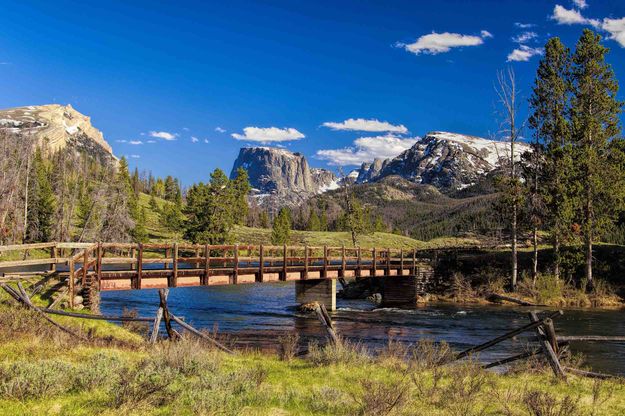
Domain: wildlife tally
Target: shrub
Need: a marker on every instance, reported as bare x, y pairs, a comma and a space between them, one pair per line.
24, 380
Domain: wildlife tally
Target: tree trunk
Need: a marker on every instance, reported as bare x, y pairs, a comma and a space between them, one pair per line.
556, 255
535, 257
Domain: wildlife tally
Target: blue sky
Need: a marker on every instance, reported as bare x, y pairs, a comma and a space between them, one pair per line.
207, 70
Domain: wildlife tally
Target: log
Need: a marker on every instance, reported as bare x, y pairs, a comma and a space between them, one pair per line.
590, 374
27, 302
591, 338
156, 326
324, 318
163, 293
505, 336
550, 354
199, 334
513, 358
96, 317
495, 296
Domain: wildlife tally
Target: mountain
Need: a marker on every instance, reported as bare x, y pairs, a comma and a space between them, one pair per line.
284, 176
56, 127
445, 160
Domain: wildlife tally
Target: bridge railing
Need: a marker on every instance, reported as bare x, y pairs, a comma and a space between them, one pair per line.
88, 264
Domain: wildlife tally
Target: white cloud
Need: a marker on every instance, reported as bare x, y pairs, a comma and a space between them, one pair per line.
185, 128
616, 29
580, 3
135, 156
371, 125
120, 141
151, 141
366, 149
268, 134
523, 53
525, 37
135, 142
206, 141
194, 139
163, 135
435, 43
565, 16
524, 25
220, 129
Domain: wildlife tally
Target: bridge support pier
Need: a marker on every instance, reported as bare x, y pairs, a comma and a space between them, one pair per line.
401, 290
316, 290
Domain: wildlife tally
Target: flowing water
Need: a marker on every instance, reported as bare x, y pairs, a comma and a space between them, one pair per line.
255, 315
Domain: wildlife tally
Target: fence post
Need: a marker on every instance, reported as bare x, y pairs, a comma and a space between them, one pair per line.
343, 263
85, 264
99, 265
71, 283
325, 261
261, 263
306, 260
414, 261
235, 269
387, 272
359, 265
284, 269
401, 262
374, 268
174, 282
207, 262
139, 265
53, 255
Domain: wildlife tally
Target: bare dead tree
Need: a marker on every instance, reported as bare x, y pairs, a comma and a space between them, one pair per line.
507, 96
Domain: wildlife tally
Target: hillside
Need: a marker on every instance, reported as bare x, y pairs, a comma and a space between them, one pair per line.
422, 211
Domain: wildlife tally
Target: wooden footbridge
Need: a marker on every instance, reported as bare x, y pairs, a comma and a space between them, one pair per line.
91, 267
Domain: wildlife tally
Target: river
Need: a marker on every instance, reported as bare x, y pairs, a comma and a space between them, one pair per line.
255, 315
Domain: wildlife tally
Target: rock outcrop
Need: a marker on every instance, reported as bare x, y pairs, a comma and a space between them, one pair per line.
444, 160
56, 127
282, 174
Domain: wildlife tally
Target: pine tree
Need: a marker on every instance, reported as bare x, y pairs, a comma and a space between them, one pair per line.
241, 188
595, 120
264, 219
140, 233
281, 227
550, 106
153, 204
42, 205
314, 224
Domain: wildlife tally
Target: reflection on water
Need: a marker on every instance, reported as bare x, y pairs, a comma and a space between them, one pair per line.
256, 314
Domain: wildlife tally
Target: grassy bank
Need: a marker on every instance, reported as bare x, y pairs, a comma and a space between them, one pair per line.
44, 371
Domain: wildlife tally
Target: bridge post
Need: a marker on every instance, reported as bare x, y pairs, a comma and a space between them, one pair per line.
406, 290
316, 290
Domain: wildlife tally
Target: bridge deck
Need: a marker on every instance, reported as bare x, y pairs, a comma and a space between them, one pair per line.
118, 266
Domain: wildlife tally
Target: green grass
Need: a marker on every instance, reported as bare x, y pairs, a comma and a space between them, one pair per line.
156, 231
43, 371
337, 239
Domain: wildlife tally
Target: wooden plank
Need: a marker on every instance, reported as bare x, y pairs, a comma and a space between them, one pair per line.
139, 266
31, 262
387, 272
306, 261
235, 271
401, 262
174, 280
70, 283
283, 276
163, 293
21, 247
261, 264
343, 262
324, 272
359, 263
85, 268
156, 325
548, 351
99, 264
414, 261
207, 255
374, 269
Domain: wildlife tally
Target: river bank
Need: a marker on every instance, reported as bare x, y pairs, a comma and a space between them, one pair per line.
44, 371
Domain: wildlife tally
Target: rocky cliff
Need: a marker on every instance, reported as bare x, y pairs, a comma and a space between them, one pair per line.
445, 160
56, 127
280, 173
